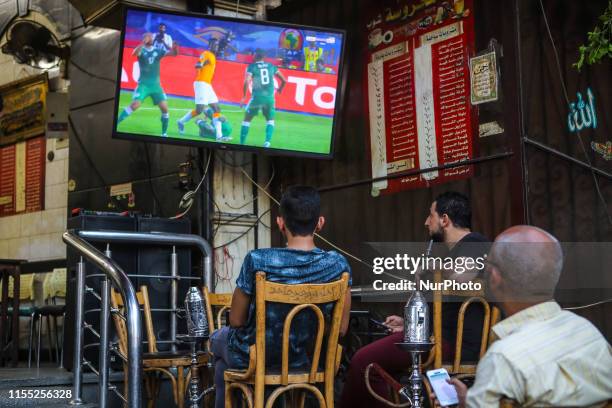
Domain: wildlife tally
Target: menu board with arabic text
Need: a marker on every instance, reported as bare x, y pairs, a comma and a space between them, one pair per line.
418, 93
22, 177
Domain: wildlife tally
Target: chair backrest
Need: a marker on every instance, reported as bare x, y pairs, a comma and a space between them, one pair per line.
490, 318
57, 283
143, 299
220, 301
54, 284
26, 286
304, 296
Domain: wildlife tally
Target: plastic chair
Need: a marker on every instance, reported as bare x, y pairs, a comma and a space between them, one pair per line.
26, 293
54, 287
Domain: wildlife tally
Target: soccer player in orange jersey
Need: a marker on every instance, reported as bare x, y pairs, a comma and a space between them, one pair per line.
203, 90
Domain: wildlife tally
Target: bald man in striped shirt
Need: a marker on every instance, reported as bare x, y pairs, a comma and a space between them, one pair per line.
543, 356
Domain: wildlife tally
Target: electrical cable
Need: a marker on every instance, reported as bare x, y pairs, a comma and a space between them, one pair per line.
255, 198
567, 101
88, 105
231, 220
216, 228
601, 302
195, 157
225, 265
83, 70
189, 197
245, 232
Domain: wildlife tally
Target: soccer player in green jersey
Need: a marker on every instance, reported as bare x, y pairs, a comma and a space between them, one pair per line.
260, 74
149, 59
207, 128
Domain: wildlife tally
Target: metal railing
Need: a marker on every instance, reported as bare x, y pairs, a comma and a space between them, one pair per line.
159, 238
122, 282
162, 238
135, 238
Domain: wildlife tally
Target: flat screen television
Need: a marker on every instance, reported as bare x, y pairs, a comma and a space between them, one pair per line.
228, 83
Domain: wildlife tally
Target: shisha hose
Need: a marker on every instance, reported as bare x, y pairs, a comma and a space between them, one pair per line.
397, 387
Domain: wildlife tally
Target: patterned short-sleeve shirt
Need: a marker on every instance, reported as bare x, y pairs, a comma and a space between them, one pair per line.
289, 266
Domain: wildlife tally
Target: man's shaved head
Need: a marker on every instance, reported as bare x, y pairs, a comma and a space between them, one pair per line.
147, 39
529, 260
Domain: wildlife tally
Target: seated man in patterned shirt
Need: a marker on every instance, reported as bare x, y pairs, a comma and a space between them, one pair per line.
300, 262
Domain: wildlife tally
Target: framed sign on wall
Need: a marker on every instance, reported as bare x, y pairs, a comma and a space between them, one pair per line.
23, 116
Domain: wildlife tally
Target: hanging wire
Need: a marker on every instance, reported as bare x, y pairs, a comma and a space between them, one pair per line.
189, 198
245, 232
601, 302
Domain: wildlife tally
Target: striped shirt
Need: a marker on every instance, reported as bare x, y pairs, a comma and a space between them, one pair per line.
545, 356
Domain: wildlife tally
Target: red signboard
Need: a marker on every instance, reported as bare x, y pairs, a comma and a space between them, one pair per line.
418, 92
308, 92
7, 180
35, 174
22, 177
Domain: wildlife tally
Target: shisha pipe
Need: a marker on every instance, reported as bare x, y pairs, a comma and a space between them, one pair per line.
416, 337
402, 390
417, 278
416, 341
416, 313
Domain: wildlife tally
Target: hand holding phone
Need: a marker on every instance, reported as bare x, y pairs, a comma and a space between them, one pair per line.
446, 393
380, 325
394, 323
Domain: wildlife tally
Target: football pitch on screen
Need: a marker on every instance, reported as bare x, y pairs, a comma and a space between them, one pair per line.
293, 131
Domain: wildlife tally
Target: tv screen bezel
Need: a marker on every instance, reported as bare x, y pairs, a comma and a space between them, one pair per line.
340, 88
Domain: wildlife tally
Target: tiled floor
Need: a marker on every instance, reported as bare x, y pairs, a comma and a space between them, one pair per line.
28, 377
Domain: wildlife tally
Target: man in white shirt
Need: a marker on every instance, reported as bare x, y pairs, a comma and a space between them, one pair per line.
162, 39
543, 355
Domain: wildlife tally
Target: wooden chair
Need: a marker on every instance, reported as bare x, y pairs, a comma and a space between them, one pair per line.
457, 367
154, 360
490, 318
304, 296
222, 301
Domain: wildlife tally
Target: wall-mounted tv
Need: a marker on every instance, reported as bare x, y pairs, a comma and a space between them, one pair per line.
228, 83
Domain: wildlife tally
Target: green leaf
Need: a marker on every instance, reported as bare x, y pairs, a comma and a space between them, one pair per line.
599, 44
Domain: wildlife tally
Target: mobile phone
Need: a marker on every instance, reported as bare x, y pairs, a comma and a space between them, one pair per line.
380, 325
445, 392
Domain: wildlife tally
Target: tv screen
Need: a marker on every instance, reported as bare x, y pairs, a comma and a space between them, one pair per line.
228, 83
